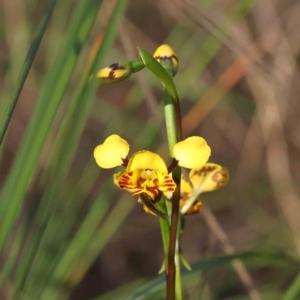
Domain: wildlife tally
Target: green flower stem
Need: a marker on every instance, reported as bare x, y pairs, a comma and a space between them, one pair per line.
172, 110
136, 65
170, 118
174, 132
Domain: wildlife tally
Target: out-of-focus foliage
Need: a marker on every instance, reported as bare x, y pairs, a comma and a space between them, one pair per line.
76, 236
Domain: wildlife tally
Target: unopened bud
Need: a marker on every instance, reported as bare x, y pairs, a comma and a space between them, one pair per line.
166, 56
115, 72
118, 71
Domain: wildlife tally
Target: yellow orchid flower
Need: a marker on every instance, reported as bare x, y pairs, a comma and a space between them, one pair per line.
146, 172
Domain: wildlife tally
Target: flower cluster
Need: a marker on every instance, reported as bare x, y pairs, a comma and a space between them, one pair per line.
146, 172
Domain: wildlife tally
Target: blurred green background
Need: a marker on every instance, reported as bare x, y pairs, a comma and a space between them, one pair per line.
67, 231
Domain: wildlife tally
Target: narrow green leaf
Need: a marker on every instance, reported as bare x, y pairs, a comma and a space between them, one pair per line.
65, 147
293, 293
26, 67
86, 247
159, 283
155, 67
184, 261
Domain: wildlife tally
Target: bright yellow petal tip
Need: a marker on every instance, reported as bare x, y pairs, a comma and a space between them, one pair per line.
165, 52
145, 160
192, 153
112, 152
209, 178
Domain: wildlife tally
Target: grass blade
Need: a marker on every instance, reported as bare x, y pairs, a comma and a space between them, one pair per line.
55, 85
159, 283
26, 67
293, 293
70, 132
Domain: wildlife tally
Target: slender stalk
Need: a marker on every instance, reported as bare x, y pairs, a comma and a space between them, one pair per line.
174, 133
171, 121
164, 72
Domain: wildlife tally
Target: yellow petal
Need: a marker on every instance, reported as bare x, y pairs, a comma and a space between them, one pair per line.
192, 153
104, 73
165, 52
166, 183
112, 152
209, 178
129, 180
186, 188
147, 160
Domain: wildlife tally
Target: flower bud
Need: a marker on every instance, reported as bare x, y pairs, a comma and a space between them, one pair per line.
166, 56
115, 72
